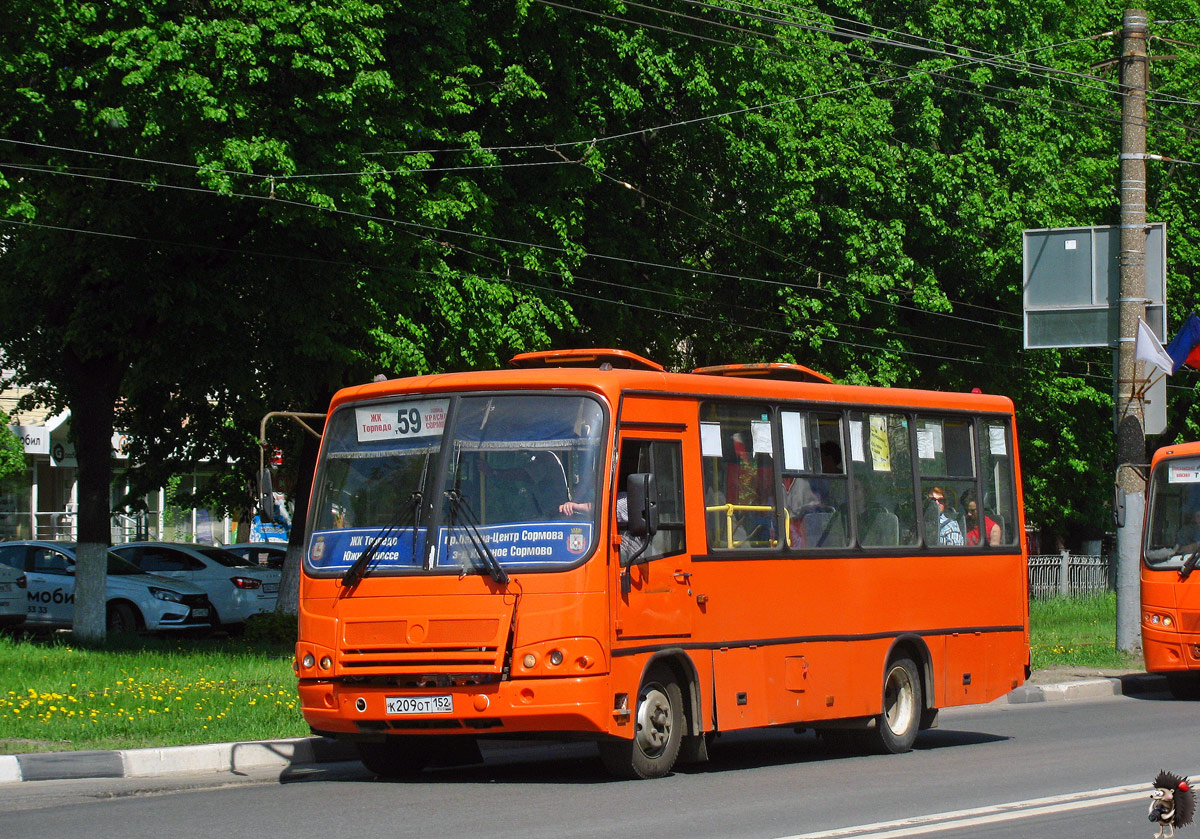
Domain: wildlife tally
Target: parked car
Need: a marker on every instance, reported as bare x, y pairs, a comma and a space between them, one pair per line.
135, 600
12, 597
237, 588
270, 554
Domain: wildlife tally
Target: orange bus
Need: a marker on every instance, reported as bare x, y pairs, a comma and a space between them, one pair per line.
588, 546
1170, 553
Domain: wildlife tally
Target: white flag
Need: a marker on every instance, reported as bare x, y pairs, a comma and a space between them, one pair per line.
1150, 350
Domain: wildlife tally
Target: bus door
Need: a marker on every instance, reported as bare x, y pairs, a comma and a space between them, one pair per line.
654, 596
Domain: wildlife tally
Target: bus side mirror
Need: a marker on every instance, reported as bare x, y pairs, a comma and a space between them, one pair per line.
642, 501
1119, 507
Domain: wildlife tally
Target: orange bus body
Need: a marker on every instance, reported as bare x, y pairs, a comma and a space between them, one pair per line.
1170, 595
741, 628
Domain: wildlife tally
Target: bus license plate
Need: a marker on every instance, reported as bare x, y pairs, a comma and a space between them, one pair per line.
420, 705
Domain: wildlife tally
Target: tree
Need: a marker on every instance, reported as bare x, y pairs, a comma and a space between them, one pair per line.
190, 254
12, 452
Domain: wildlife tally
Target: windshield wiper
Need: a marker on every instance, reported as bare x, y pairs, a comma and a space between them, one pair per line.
470, 523
358, 570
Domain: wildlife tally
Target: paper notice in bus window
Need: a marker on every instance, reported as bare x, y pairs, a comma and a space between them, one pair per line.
856, 446
761, 434
710, 439
794, 441
881, 447
925, 449
401, 420
1186, 472
929, 439
996, 440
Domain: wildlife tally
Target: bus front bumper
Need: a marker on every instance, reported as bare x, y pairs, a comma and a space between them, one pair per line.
583, 705
1167, 651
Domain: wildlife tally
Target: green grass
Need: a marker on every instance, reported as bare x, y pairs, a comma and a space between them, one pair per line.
139, 692
166, 691
1077, 632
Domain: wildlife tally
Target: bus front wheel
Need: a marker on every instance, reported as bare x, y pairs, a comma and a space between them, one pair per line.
657, 734
1184, 685
395, 757
897, 724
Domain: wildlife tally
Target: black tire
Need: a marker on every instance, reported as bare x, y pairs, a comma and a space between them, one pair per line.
897, 724
658, 731
122, 619
395, 757
1184, 685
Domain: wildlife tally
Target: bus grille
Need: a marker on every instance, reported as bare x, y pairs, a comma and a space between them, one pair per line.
433, 646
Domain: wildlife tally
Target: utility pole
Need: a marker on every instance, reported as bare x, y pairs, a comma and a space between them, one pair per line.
1131, 436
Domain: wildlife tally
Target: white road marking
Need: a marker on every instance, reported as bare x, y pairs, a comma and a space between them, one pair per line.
1013, 810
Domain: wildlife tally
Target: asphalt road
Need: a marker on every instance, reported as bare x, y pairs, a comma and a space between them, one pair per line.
1063, 769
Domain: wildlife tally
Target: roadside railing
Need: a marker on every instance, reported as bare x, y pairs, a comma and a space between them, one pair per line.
1066, 575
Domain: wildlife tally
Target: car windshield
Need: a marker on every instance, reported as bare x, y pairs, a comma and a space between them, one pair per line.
227, 558
1173, 531
459, 474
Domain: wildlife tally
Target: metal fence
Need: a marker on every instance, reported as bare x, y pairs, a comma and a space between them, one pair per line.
1066, 574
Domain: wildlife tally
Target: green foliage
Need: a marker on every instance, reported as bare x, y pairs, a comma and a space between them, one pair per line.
1077, 632
243, 210
56, 695
271, 629
12, 450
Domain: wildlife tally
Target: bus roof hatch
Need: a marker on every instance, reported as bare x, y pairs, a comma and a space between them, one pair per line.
585, 358
774, 370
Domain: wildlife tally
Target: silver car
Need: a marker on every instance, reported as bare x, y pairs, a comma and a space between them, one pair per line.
237, 588
12, 596
134, 600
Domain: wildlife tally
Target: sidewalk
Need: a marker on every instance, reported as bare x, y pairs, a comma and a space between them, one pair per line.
1060, 684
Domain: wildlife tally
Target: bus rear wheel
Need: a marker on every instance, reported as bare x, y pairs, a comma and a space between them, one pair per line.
657, 734
897, 724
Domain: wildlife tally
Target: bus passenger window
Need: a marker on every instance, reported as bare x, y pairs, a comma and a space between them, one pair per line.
999, 479
881, 460
739, 476
814, 485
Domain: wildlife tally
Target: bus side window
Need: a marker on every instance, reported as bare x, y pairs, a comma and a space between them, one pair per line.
736, 445
664, 459
881, 460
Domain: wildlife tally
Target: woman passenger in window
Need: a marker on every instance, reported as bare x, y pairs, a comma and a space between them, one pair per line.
989, 525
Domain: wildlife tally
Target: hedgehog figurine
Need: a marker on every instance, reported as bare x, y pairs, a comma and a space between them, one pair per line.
1172, 804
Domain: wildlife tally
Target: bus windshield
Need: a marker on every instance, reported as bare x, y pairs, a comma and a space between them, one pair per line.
1173, 531
435, 483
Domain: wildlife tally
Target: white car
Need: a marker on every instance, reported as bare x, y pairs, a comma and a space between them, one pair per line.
134, 600
237, 588
270, 554
12, 596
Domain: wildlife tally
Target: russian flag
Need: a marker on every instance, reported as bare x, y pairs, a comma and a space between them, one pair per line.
1185, 346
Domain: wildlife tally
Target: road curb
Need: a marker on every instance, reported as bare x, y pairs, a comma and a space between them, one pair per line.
149, 763
1128, 685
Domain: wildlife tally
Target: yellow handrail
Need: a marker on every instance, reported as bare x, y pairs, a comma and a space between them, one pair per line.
730, 509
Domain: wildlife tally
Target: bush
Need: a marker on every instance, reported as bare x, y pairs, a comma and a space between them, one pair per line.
271, 629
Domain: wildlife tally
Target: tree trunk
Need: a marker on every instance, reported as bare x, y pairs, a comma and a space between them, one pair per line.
91, 396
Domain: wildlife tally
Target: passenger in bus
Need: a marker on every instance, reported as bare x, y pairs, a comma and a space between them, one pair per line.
948, 531
811, 496
989, 524
631, 546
